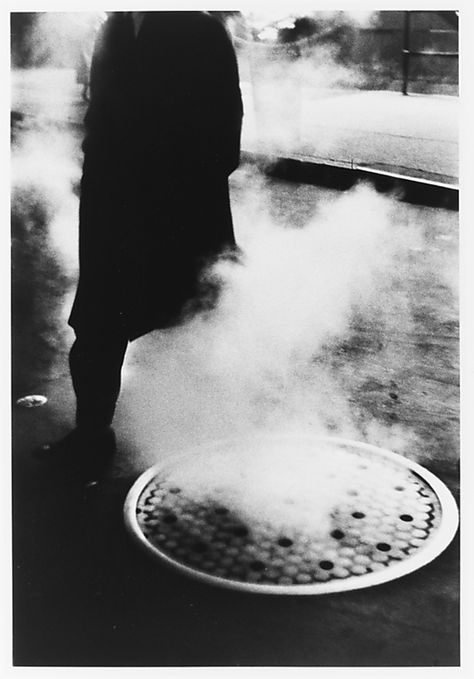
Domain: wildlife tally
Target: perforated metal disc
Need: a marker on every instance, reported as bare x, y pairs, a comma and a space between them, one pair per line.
388, 517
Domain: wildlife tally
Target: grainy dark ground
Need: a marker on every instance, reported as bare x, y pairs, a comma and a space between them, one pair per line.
85, 596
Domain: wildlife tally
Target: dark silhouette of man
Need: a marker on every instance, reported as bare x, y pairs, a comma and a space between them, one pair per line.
162, 136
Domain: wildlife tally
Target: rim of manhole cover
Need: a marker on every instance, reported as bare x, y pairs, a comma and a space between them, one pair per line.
386, 517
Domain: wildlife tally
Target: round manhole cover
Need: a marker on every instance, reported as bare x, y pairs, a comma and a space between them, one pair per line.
304, 515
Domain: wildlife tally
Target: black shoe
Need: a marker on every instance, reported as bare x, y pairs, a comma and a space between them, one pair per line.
86, 453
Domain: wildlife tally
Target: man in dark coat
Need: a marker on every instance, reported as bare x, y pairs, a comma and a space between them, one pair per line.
162, 136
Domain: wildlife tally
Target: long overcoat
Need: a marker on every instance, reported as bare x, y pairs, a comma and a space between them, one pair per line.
162, 136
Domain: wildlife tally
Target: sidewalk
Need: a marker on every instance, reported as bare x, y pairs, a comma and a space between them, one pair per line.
414, 136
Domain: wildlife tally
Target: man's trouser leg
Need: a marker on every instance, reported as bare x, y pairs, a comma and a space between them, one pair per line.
95, 362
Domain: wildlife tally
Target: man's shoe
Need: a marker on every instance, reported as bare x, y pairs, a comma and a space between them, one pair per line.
87, 453
62, 451
98, 455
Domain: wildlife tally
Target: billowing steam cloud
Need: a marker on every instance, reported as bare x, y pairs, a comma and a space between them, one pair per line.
288, 62
269, 479
61, 39
261, 361
45, 172
264, 361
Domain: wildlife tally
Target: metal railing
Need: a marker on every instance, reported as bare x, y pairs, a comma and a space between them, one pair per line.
407, 53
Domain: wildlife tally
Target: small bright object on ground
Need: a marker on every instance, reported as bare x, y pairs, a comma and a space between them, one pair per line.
31, 401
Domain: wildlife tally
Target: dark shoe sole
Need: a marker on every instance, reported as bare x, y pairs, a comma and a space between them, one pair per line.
88, 456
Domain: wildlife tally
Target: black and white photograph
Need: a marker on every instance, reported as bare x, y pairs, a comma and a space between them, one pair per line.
235, 337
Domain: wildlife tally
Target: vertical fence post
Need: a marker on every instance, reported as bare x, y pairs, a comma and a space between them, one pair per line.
406, 52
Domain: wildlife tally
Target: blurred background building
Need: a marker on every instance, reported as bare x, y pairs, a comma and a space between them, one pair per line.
370, 42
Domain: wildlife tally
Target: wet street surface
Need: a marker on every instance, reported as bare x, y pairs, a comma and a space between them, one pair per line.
84, 595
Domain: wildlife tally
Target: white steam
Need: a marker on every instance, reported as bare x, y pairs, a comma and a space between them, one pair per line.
63, 39
44, 172
261, 361
281, 95
298, 287
285, 483
282, 81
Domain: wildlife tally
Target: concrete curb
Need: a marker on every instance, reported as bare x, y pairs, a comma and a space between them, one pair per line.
409, 189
